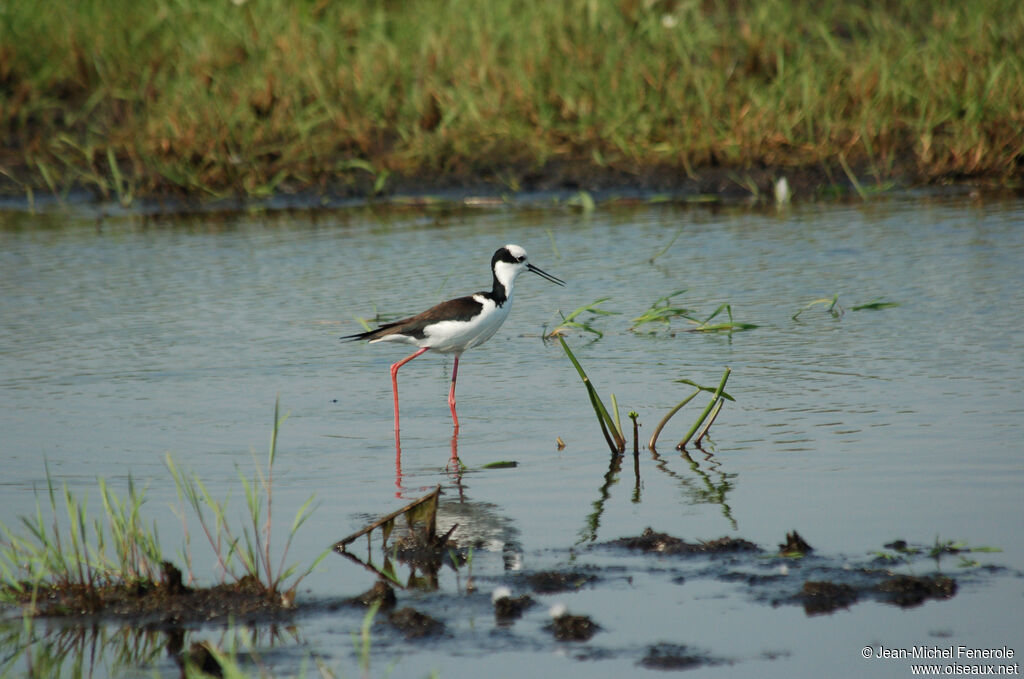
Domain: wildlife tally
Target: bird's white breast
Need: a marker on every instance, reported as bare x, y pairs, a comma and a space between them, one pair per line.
457, 336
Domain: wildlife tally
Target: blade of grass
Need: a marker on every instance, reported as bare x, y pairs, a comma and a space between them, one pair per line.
874, 305
607, 424
714, 399
833, 306
710, 421
664, 420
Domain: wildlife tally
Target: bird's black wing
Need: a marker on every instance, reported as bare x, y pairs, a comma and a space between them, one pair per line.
458, 309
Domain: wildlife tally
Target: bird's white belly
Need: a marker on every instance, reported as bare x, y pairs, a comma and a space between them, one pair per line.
456, 336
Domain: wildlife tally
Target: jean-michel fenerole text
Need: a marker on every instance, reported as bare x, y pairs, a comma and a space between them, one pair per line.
951, 652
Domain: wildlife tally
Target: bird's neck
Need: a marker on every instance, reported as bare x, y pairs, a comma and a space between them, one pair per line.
501, 292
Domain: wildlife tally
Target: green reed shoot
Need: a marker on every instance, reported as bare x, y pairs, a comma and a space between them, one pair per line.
610, 428
874, 305
834, 308
662, 311
668, 245
570, 321
710, 420
582, 201
715, 399
719, 394
252, 547
731, 326
115, 547
633, 415
362, 642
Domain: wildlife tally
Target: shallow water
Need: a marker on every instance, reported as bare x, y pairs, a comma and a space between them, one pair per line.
124, 339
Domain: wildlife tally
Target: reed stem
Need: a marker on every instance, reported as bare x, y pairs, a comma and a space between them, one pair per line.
707, 410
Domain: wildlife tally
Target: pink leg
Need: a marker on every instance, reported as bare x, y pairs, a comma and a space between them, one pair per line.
454, 466
451, 393
394, 381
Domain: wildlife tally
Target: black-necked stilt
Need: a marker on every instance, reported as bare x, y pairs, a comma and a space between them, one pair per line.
456, 325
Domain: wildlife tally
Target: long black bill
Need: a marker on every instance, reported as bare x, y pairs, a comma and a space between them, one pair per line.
545, 275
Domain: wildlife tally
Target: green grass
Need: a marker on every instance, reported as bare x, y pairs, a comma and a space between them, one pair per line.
63, 546
257, 97
246, 551
610, 422
570, 322
836, 310
727, 327
661, 311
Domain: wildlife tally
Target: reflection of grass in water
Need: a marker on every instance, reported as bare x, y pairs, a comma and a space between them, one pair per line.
117, 552
94, 649
79, 651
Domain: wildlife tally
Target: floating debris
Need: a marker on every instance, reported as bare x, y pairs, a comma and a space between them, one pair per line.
381, 594
501, 464
794, 545
421, 512
419, 546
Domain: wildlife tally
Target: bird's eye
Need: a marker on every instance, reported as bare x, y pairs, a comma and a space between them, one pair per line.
520, 259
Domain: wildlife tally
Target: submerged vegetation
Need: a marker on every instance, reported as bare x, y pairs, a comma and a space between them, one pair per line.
658, 316
836, 310
569, 321
253, 98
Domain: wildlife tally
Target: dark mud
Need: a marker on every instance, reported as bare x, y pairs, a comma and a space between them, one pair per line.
552, 582
791, 575
662, 543
508, 608
161, 604
820, 584
556, 181
415, 624
568, 627
666, 656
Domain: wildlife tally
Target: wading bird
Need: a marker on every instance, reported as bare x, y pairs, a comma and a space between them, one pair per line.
459, 324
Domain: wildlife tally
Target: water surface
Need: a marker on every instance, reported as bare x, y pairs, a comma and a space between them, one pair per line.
124, 339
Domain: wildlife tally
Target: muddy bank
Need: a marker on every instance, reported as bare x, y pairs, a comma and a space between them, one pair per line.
557, 184
539, 607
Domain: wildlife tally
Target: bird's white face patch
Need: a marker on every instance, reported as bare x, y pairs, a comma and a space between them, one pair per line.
507, 272
516, 251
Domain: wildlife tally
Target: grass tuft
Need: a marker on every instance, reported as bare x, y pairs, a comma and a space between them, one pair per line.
570, 322
662, 311
118, 551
